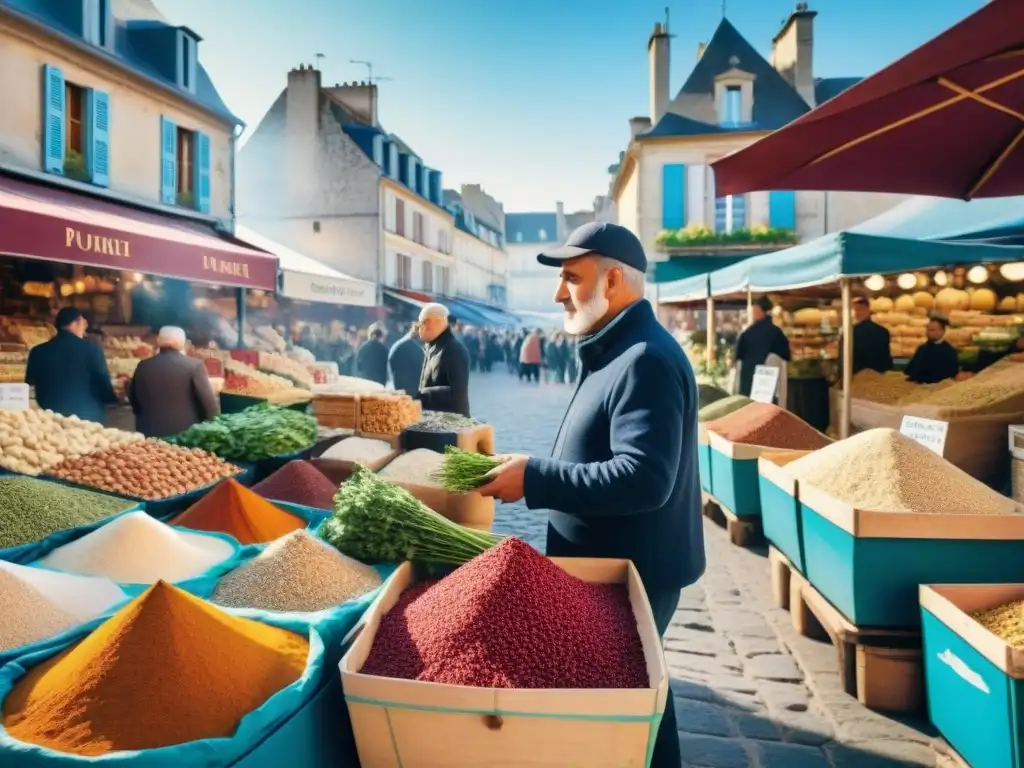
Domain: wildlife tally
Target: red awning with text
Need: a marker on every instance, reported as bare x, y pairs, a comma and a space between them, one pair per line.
38, 221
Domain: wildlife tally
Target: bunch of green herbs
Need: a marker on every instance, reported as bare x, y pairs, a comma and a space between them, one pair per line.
259, 432
464, 471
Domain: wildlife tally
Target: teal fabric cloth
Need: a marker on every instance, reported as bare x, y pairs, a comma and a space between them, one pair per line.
27, 553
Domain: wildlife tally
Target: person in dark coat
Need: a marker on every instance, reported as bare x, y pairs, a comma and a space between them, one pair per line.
444, 382
870, 340
171, 391
622, 478
759, 340
70, 374
935, 360
405, 361
372, 357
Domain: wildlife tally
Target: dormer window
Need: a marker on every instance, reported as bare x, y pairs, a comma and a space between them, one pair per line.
98, 23
731, 106
188, 64
378, 150
734, 98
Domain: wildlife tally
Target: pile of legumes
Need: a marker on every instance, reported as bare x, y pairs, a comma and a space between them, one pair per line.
298, 572
167, 668
769, 426
363, 450
37, 604
707, 395
881, 470
298, 482
30, 509
151, 470
138, 549
416, 467
238, 511
723, 407
510, 618
441, 421
1005, 622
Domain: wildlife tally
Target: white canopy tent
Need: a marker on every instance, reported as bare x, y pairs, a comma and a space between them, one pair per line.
307, 279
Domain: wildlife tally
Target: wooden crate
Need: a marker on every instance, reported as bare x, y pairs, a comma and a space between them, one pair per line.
337, 411
339, 470
881, 667
743, 531
411, 724
780, 566
469, 509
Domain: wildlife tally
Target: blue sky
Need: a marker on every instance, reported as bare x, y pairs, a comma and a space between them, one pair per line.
530, 98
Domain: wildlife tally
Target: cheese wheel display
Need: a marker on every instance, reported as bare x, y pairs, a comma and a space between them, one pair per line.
983, 300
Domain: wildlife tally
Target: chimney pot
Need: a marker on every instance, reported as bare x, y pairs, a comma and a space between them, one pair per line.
659, 57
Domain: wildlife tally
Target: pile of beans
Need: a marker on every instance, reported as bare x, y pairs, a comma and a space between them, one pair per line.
510, 618
298, 482
769, 426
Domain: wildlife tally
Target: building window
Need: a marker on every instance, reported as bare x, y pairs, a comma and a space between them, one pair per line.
442, 241
428, 277
400, 217
730, 110
730, 213
442, 281
403, 271
186, 154
542, 235
519, 237
417, 227
74, 130
187, 62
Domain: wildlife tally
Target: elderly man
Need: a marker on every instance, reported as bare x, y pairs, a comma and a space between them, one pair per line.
621, 481
171, 391
444, 382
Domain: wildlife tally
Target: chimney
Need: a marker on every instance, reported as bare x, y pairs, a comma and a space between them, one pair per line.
793, 51
658, 55
638, 125
562, 227
358, 98
302, 127
700, 49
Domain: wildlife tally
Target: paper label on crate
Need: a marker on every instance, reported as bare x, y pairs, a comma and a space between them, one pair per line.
14, 397
966, 673
766, 381
928, 432
1017, 440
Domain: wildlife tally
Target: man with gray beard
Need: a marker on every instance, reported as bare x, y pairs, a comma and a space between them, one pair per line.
622, 480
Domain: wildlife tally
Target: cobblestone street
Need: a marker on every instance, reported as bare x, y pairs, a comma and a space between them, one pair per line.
748, 690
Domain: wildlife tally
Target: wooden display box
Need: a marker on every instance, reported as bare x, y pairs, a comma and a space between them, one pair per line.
869, 564
734, 474
469, 509
974, 679
339, 470
479, 439
780, 510
411, 724
337, 411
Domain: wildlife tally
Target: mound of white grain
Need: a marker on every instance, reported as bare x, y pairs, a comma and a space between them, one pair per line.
137, 549
416, 467
298, 572
362, 450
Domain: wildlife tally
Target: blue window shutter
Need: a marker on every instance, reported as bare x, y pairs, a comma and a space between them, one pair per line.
168, 161
673, 196
782, 209
97, 155
53, 120
202, 184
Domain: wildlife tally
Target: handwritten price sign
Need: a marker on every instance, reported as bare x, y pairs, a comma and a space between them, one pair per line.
13, 397
928, 432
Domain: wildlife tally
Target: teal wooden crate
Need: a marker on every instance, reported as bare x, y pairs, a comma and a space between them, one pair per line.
704, 467
734, 475
869, 564
780, 510
974, 681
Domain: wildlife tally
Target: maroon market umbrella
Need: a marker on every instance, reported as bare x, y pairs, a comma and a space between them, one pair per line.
945, 120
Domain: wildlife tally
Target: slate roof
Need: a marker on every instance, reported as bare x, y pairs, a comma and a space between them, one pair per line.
453, 202
127, 51
826, 88
527, 227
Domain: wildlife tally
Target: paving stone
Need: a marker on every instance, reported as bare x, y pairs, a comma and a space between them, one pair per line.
777, 667
712, 752
734, 683
784, 696
701, 718
701, 664
698, 639
748, 647
790, 756
880, 754
737, 621
803, 728
760, 727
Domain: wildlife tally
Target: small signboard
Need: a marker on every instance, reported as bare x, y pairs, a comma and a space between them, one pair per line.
928, 432
1017, 440
766, 383
14, 397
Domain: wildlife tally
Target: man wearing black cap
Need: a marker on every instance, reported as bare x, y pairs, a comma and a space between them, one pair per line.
759, 340
70, 374
621, 481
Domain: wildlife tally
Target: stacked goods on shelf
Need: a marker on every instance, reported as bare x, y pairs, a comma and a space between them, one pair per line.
286, 368
437, 430
12, 366
243, 379
34, 441
580, 629
737, 440
23, 331
126, 346
323, 373
235, 510
259, 432
387, 413
813, 334
445, 483
32, 510
151, 470
275, 340
108, 694
337, 404
882, 498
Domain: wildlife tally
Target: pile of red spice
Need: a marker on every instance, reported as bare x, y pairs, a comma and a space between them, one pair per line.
769, 426
510, 618
298, 482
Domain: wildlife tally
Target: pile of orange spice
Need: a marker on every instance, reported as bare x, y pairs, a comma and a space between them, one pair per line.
166, 669
233, 509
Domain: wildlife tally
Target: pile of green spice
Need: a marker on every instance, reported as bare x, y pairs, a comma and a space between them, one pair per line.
463, 471
439, 421
722, 408
31, 509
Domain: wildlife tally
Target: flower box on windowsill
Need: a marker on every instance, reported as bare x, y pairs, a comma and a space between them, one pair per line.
186, 200
702, 238
74, 166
